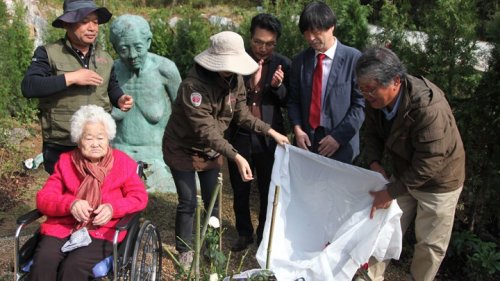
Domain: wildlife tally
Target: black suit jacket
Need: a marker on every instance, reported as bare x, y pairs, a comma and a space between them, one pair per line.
273, 99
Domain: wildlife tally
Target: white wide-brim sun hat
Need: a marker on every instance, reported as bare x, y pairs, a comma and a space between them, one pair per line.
227, 53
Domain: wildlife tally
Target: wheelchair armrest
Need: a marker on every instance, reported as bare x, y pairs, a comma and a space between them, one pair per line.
127, 221
141, 166
29, 217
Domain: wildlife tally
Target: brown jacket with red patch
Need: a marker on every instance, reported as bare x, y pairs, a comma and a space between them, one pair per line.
205, 105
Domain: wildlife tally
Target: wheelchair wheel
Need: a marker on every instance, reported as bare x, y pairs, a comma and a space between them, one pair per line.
146, 260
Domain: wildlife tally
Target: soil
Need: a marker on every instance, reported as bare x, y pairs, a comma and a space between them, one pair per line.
17, 193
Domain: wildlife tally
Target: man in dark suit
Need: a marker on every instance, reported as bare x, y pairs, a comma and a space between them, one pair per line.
325, 105
266, 94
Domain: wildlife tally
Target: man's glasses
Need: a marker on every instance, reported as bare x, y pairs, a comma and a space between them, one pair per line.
260, 44
370, 93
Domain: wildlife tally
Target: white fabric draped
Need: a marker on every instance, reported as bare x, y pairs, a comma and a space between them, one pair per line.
325, 201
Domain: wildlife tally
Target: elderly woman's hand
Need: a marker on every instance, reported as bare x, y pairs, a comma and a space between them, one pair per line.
81, 210
104, 213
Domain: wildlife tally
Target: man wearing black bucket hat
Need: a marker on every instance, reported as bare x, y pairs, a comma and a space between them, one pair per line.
69, 73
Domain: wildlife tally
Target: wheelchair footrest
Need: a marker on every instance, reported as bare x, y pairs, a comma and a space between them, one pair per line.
26, 267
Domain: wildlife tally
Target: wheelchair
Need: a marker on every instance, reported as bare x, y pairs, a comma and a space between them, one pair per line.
137, 258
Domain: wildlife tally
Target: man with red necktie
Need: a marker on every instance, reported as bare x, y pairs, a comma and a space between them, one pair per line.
325, 106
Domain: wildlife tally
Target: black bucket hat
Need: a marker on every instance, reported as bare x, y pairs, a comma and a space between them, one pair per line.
76, 10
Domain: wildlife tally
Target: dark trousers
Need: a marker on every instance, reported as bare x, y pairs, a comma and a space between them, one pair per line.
262, 164
185, 184
51, 153
50, 264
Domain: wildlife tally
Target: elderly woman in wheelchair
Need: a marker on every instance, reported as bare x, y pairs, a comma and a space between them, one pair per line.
91, 188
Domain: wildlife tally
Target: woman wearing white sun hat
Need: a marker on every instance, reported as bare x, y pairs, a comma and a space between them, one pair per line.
211, 97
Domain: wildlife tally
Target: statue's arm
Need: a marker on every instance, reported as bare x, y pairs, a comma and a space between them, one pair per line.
172, 79
117, 114
151, 108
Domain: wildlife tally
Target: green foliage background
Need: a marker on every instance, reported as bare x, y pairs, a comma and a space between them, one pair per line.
449, 30
16, 49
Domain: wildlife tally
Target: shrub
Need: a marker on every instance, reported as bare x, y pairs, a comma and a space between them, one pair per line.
182, 43
163, 34
472, 257
448, 58
352, 25
352, 22
479, 123
291, 41
16, 56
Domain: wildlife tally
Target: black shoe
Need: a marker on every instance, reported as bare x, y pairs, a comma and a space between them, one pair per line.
241, 243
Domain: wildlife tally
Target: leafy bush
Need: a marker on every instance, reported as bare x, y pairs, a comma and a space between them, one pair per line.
16, 56
194, 3
352, 22
448, 59
352, 25
163, 34
472, 257
291, 41
479, 122
182, 43
395, 23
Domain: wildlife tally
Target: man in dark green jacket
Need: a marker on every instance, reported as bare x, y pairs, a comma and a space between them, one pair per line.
69, 73
409, 118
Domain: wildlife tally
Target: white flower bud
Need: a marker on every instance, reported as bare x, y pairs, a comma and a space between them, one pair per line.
213, 222
214, 276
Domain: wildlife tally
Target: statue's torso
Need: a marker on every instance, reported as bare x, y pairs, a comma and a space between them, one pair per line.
143, 125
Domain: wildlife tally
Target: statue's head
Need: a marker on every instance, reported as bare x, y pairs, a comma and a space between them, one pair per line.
131, 39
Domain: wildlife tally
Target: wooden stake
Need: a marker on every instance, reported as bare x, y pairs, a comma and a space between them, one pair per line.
197, 240
271, 231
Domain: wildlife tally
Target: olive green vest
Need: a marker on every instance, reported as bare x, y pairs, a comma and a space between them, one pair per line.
57, 109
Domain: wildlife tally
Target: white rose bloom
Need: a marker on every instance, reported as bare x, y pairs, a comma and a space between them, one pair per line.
213, 222
214, 276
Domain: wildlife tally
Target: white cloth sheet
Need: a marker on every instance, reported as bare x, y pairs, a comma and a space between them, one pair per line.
324, 201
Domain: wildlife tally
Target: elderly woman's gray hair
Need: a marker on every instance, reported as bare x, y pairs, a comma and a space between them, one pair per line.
93, 114
379, 64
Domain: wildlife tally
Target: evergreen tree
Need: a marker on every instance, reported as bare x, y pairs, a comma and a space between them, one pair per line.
352, 22
397, 32
16, 49
448, 58
480, 124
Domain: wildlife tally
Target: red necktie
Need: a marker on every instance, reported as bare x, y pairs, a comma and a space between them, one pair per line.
315, 109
